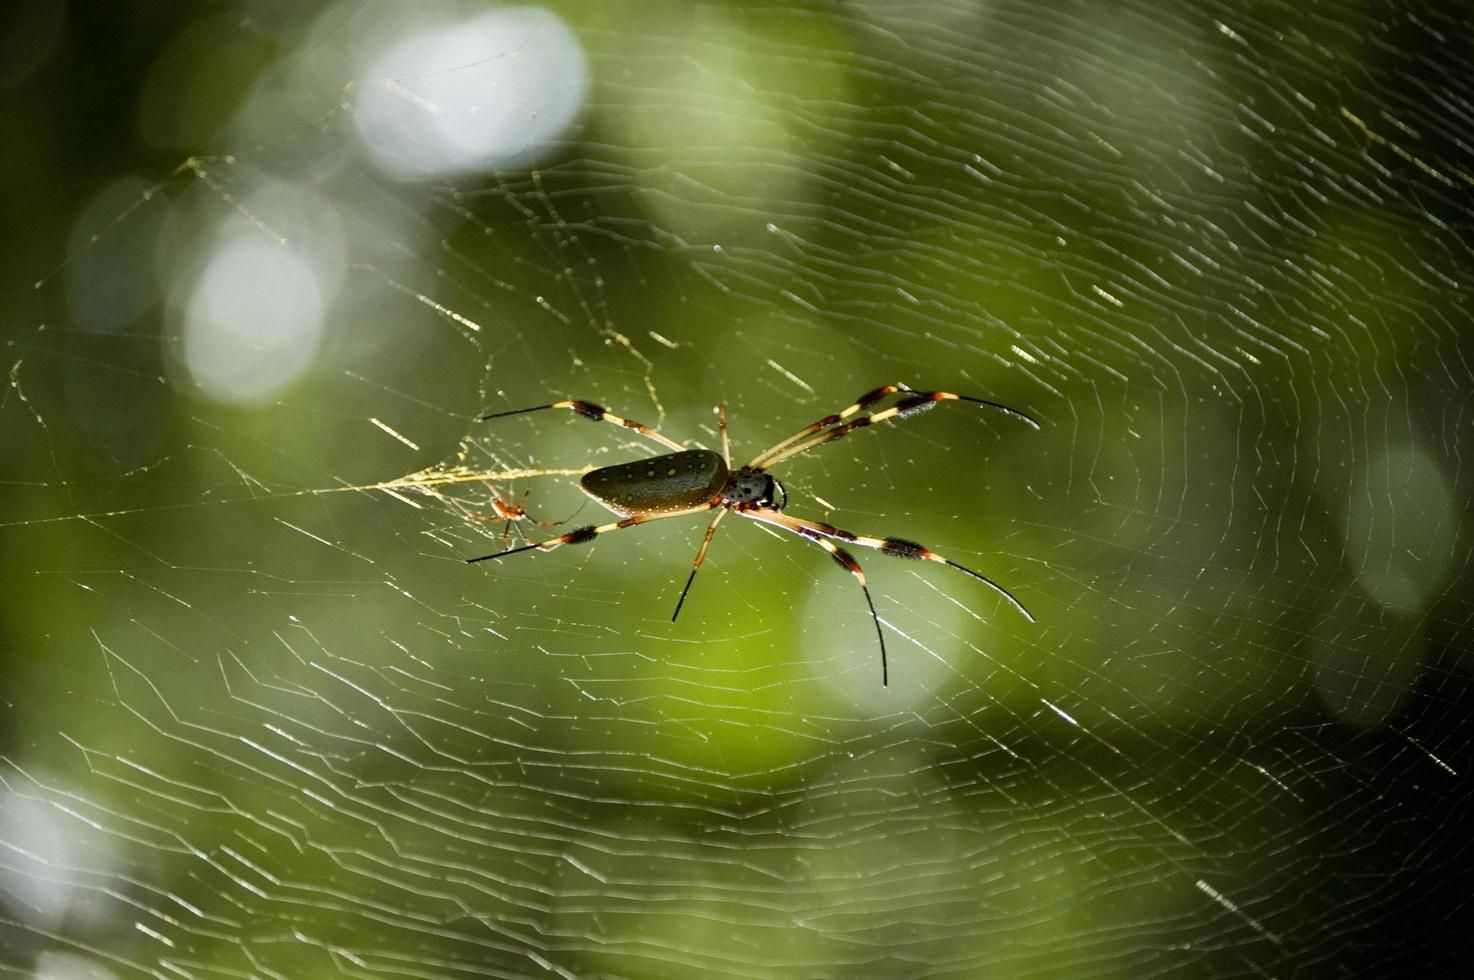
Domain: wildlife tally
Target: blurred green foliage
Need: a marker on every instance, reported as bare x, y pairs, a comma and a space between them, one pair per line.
283, 730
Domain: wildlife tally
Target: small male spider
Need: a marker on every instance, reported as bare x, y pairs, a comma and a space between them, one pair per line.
512, 515
693, 481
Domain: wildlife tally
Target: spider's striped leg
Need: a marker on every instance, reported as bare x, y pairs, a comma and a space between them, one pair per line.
726, 443
846, 561
897, 547
914, 403
864, 401
594, 413
700, 557
589, 532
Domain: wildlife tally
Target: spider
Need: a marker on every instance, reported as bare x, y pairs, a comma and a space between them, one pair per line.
695, 481
512, 515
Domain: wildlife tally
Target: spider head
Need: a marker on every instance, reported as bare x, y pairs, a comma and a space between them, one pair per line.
754, 488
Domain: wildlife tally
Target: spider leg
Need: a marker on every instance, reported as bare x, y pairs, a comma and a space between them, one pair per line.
914, 403
700, 557
726, 444
594, 413
497, 518
865, 400
845, 559
896, 547
522, 514
589, 532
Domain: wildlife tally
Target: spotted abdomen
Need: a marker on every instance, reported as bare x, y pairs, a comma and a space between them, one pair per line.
657, 485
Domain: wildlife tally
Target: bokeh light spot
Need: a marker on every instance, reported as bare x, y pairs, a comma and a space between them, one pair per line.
110, 283
473, 95
254, 320
1399, 525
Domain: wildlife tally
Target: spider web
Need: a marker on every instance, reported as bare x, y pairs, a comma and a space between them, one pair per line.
263, 720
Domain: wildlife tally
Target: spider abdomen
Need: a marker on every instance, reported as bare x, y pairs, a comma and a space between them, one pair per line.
675, 481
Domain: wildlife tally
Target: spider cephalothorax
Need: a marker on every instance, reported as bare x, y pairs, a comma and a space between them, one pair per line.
693, 481
749, 489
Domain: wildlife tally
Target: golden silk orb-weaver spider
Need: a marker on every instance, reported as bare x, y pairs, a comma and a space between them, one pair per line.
694, 481
512, 514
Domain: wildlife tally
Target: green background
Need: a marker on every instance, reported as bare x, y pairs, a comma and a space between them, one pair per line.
262, 720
